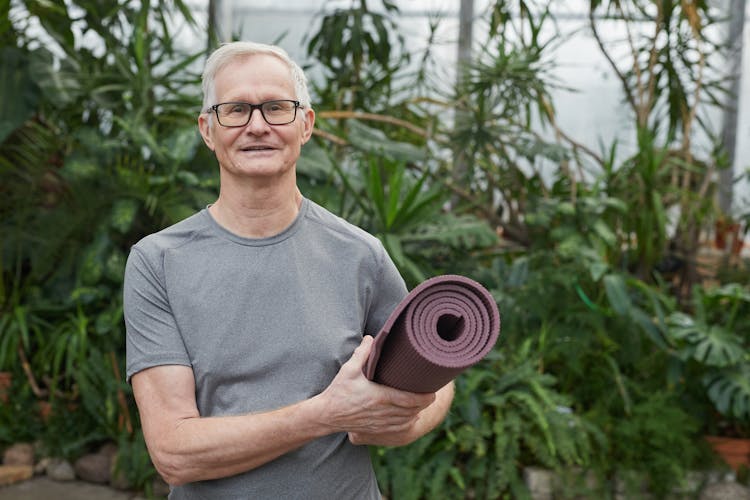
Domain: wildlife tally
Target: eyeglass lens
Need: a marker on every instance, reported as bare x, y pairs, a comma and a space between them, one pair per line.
237, 114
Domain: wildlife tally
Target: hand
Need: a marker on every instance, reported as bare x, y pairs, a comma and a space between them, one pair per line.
353, 404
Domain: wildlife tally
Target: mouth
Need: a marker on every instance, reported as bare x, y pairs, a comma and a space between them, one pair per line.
260, 147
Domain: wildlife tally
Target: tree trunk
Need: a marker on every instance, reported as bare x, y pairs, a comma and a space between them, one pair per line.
465, 40
736, 15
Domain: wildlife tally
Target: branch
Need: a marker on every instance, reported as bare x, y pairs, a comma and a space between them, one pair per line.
38, 392
330, 137
653, 57
374, 117
694, 110
628, 94
124, 417
640, 111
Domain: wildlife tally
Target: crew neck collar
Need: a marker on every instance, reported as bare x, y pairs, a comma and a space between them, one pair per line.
270, 240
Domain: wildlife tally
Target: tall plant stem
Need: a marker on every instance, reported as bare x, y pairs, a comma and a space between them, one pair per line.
38, 391
124, 417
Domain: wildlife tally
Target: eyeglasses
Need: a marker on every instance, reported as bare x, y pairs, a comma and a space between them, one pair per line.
238, 114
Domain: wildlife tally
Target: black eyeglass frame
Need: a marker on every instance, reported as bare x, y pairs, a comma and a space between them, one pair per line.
253, 107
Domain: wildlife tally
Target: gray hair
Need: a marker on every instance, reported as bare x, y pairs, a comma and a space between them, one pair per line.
229, 52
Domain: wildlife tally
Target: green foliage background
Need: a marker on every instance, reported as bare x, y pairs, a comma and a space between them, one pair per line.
615, 356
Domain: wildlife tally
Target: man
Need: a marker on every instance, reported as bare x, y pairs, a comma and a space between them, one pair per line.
249, 323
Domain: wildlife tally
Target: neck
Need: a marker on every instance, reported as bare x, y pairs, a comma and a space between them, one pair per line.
260, 210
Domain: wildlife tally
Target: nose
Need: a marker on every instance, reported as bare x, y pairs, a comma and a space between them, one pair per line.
256, 124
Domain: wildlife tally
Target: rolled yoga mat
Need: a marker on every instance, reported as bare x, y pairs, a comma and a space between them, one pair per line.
441, 328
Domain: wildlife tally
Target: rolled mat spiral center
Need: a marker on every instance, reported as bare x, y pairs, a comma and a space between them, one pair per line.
441, 328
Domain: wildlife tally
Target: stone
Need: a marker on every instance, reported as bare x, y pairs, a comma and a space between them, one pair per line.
19, 454
630, 484
108, 449
579, 483
60, 470
725, 491
94, 468
41, 467
119, 481
10, 474
117, 478
540, 482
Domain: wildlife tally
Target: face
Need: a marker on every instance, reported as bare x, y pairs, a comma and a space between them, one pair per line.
257, 149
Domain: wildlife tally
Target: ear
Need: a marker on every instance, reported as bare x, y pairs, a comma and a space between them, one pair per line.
308, 123
205, 130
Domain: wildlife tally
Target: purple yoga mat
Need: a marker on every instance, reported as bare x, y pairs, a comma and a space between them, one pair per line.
441, 328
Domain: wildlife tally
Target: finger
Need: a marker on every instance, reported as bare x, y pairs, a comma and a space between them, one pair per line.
406, 399
362, 352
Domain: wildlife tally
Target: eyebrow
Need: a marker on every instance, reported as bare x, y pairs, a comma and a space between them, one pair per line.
264, 98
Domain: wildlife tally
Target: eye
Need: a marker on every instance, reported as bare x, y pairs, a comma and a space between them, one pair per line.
237, 109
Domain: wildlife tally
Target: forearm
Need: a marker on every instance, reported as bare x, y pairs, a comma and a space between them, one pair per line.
186, 447
200, 448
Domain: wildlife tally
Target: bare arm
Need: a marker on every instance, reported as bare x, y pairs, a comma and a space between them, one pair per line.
186, 447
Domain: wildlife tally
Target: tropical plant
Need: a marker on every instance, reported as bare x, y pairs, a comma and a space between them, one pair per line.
711, 348
360, 60
669, 81
399, 205
507, 414
100, 149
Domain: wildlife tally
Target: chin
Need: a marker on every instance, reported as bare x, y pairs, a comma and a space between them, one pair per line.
256, 170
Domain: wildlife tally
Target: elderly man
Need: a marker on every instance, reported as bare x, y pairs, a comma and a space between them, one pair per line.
249, 323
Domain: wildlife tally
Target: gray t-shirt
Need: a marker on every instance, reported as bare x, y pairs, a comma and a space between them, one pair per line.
263, 323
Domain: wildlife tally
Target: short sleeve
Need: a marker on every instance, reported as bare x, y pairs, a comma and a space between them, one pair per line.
152, 337
390, 289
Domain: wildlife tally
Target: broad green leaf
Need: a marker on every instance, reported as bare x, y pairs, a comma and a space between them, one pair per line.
719, 347
19, 93
709, 344
604, 232
729, 390
375, 141
598, 269
180, 146
123, 214
617, 294
314, 162
61, 83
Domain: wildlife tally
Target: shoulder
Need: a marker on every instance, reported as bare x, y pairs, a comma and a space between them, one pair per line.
175, 235
337, 227
155, 245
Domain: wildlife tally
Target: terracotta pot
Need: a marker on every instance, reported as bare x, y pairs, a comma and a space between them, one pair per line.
734, 451
727, 235
6, 379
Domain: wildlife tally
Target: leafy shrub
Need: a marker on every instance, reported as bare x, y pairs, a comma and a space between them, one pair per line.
506, 414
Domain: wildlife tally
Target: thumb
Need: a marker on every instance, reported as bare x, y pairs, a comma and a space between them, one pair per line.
362, 352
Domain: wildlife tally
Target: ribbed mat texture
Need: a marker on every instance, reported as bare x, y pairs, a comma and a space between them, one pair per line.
441, 328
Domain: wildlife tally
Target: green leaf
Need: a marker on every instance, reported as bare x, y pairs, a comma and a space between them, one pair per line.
123, 214
314, 162
729, 390
709, 344
54, 18
719, 347
61, 82
19, 93
180, 146
376, 142
605, 233
617, 294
